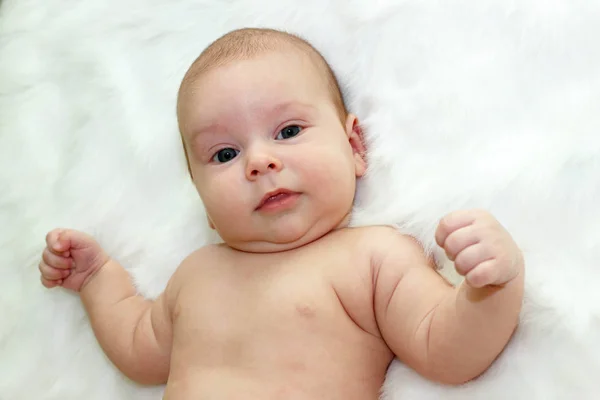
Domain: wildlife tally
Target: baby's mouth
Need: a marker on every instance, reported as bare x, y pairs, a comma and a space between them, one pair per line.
277, 199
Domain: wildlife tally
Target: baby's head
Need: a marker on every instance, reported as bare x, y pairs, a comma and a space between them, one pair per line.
271, 148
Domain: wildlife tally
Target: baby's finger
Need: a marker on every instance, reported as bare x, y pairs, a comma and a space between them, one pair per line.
55, 260
50, 283
459, 240
60, 240
485, 274
52, 273
52, 238
452, 222
470, 257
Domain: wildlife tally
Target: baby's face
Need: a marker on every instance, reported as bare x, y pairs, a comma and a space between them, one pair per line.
274, 165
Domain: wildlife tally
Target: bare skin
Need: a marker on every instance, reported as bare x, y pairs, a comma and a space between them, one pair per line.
320, 321
274, 326
294, 304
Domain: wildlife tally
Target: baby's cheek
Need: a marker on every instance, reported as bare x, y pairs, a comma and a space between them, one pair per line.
333, 178
222, 195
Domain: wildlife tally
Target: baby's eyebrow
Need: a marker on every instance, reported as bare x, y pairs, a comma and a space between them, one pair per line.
292, 105
215, 127
270, 113
210, 128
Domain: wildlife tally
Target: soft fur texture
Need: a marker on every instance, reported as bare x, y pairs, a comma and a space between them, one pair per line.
487, 103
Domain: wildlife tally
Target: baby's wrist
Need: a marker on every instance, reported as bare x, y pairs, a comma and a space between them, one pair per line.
93, 272
518, 269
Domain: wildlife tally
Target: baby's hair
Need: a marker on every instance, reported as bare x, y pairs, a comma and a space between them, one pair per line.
245, 43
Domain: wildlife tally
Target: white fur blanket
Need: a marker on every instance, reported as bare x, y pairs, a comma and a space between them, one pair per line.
481, 103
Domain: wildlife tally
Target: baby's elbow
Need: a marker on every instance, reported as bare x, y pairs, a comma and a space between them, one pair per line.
147, 378
145, 374
452, 375
454, 379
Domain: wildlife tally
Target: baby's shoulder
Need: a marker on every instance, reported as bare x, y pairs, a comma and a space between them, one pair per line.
384, 241
375, 236
196, 262
361, 251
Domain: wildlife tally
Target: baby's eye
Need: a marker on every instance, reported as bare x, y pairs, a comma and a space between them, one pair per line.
289, 132
225, 155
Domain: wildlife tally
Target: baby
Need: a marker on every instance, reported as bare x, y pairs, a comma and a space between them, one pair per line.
294, 304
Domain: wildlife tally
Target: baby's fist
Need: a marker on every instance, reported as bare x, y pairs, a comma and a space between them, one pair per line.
482, 250
70, 259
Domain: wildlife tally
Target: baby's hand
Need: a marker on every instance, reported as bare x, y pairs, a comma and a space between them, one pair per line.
70, 259
482, 250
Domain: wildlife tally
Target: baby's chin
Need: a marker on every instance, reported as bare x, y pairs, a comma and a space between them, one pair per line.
286, 241
266, 246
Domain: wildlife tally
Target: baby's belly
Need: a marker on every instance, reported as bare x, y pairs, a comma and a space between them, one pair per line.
339, 362
237, 384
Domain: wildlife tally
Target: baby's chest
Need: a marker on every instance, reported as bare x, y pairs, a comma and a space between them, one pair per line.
273, 296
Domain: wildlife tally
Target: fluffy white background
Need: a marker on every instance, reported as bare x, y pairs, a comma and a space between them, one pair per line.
488, 103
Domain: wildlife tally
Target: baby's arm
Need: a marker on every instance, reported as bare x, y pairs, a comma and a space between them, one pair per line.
135, 333
451, 335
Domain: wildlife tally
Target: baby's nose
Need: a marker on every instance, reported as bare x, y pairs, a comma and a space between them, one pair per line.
261, 164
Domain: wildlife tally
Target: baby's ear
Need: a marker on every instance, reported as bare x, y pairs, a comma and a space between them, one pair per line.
355, 137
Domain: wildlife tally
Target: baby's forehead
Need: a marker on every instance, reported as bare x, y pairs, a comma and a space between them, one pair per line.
293, 73
312, 69
252, 43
